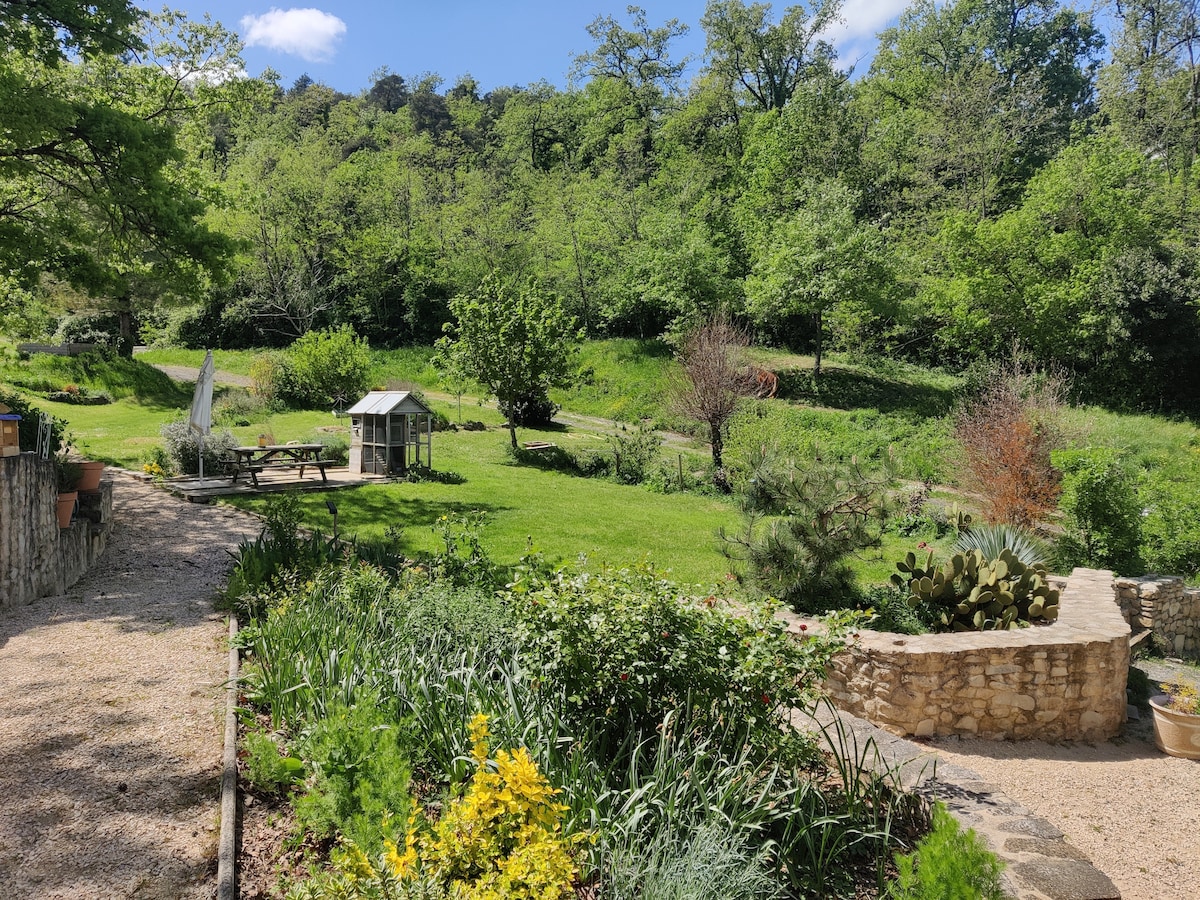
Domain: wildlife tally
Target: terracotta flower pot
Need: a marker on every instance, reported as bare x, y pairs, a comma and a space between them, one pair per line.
1175, 733
90, 480
66, 508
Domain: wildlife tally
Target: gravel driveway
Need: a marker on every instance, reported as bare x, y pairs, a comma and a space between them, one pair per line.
110, 712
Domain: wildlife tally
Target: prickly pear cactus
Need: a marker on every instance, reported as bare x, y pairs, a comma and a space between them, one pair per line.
972, 593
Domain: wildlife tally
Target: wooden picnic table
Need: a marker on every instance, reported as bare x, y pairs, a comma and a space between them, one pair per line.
255, 459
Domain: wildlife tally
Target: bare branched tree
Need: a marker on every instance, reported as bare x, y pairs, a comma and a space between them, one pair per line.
715, 378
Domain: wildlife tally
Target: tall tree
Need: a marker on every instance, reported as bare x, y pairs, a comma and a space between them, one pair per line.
964, 101
768, 60
1151, 91
817, 272
92, 186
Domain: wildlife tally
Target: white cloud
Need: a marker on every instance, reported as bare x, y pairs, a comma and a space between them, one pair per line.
308, 33
863, 19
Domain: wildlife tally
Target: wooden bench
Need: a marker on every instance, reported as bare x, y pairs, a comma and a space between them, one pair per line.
255, 468
539, 445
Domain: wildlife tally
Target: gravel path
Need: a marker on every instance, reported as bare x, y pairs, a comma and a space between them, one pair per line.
1132, 809
110, 712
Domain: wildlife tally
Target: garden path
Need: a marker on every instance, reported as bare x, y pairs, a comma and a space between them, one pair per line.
110, 712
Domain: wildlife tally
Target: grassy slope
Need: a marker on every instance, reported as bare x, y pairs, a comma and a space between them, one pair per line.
852, 409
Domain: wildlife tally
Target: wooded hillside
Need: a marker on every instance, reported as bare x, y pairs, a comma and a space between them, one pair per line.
1005, 171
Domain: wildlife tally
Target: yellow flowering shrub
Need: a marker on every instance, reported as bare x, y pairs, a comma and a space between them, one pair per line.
501, 840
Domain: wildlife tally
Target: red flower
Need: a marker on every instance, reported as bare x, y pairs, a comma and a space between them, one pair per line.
766, 699
803, 627
624, 676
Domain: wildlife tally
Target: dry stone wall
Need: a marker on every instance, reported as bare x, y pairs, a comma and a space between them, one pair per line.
1064, 681
1164, 605
37, 558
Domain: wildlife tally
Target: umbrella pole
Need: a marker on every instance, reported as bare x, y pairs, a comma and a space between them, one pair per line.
202, 458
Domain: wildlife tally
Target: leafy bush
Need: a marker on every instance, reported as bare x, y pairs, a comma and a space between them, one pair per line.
948, 864
271, 376
893, 612
182, 446
328, 368
1102, 511
627, 647
238, 408
268, 770
361, 774
1170, 526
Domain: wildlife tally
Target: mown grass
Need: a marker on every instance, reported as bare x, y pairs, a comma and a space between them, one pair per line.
564, 516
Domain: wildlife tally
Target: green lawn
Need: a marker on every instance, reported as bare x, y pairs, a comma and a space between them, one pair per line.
564, 516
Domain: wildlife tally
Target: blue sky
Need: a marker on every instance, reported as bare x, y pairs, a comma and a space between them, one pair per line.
499, 43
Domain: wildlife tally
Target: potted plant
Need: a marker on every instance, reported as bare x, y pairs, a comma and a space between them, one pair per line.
67, 473
1177, 721
89, 479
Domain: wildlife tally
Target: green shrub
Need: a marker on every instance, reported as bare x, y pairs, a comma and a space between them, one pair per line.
1170, 526
627, 647
238, 408
948, 864
268, 770
1102, 511
329, 368
360, 788
893, 612
271, 376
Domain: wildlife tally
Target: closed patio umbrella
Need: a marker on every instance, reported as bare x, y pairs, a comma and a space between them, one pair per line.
200, 418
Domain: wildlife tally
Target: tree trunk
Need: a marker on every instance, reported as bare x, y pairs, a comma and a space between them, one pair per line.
718, 444
820, 343
512, 431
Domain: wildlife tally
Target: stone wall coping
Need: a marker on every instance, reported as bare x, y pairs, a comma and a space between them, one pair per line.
1088, 614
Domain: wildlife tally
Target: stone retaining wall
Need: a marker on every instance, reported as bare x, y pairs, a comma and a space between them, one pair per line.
37, 558
1164, 605
1064, 681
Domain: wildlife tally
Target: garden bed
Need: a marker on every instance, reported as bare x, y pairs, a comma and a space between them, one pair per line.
1064, 681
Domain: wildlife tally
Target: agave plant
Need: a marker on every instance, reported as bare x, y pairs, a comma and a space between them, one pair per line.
991, 540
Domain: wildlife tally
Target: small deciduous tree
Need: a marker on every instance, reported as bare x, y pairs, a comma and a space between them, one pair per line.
714, 380
1007, 432
517, 343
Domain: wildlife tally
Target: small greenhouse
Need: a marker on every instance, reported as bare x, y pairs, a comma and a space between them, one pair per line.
389, 432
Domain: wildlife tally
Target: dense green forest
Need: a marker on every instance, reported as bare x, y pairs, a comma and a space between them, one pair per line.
1005, 170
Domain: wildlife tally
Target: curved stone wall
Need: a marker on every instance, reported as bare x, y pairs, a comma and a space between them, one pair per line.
1064, 681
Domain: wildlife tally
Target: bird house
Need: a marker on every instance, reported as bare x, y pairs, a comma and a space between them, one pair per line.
389, 432
10, 432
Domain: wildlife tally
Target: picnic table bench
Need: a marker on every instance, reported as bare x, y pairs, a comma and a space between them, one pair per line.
253, 460
539, 445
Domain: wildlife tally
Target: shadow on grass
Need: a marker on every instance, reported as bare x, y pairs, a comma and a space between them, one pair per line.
845, 389
359, 507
